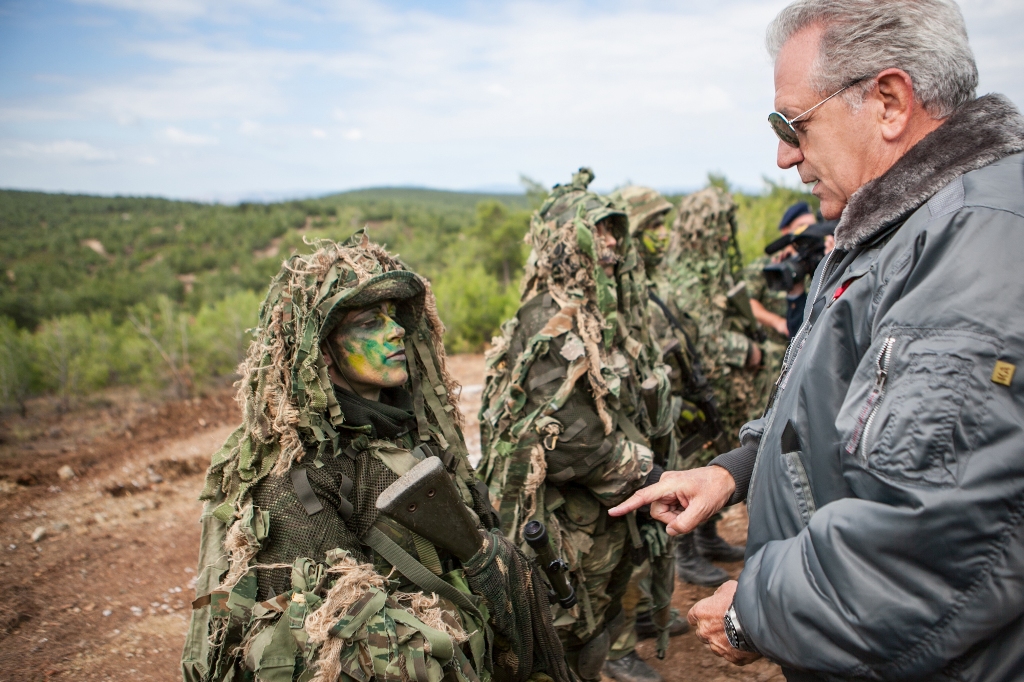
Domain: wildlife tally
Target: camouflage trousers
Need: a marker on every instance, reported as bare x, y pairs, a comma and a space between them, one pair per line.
606, 571
648, 592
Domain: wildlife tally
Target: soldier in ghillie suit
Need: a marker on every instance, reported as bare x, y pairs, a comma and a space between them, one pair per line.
647, 601
700, 280
574, 397
305, 571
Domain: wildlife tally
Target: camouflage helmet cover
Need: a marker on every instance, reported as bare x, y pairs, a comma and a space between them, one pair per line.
378, 285
642, 204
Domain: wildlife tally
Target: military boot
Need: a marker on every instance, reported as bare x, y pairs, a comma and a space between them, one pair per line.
711, 546
692, 568
631, 668
646, 629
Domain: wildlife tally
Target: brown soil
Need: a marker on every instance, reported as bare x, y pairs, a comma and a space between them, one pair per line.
104, 593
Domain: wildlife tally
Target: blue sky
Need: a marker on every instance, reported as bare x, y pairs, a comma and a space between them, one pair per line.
226, 99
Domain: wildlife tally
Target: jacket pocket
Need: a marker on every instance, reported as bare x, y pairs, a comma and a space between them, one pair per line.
791, 457
917, 420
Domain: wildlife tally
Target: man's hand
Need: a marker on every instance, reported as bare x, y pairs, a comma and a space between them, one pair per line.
682, 500
708, 620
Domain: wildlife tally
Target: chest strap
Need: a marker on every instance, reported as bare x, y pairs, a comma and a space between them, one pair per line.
311, 503
417, 572
304, 491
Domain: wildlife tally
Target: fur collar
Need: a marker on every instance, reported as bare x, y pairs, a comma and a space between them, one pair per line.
979, 133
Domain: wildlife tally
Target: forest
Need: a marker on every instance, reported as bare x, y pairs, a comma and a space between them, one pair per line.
159, 294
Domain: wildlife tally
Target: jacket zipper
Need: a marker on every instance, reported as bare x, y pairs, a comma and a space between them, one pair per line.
858, 442
788, 360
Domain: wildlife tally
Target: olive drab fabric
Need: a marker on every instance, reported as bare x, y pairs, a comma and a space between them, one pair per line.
575, 395
299, 576
699, 272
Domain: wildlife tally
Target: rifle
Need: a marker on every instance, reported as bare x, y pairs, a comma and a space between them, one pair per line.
696, 385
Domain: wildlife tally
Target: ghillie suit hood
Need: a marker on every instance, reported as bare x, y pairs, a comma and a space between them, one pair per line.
702, 262
564, 263
704, 231
289, 410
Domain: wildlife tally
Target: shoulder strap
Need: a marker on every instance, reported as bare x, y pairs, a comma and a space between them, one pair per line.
304, 491
417, 572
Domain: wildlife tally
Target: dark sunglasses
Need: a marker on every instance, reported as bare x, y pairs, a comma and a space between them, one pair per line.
783, 126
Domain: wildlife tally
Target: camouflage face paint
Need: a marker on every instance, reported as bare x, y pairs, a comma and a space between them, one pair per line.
607, 248
368, 350
654, 239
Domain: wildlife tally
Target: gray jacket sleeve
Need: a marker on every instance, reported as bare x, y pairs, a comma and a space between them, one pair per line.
740, 461
926, 558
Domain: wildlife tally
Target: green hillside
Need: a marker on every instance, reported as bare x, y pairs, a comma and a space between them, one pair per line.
65, 254
98, 291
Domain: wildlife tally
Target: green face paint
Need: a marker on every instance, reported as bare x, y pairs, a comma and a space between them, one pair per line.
369, 350
654, 240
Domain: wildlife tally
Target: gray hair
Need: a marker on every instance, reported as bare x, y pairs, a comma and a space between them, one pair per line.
925, 38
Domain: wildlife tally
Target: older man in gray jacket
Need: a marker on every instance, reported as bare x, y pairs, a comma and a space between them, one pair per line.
885, 483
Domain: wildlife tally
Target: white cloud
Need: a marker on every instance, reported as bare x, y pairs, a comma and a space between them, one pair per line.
72, 150
179, 136
660, 92
250, 128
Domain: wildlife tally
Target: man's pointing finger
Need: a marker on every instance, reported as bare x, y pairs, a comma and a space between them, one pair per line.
643, 497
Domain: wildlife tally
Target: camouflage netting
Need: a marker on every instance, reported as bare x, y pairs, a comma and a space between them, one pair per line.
517, 600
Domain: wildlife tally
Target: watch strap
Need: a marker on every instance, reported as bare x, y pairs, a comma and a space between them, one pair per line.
734, 631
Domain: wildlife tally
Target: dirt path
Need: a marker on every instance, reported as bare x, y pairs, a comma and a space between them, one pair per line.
103, 592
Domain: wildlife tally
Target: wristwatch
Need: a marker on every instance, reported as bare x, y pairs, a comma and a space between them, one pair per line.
734, 632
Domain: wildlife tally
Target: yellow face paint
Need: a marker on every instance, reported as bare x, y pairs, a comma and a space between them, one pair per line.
369, 349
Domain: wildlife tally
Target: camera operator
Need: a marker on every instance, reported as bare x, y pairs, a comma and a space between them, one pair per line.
794, 256
770, 307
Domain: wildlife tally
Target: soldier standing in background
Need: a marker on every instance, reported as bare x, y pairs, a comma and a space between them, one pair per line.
574, 398
651, 586
699, 276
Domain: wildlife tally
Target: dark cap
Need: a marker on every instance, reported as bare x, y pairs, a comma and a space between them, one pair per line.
794, 212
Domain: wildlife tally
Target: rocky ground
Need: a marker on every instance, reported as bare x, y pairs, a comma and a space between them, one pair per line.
100, 534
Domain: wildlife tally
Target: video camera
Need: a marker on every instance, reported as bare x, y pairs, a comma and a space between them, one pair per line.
810, 249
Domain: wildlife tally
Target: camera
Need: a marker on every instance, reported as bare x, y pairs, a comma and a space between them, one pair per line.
810, 249
784, 275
